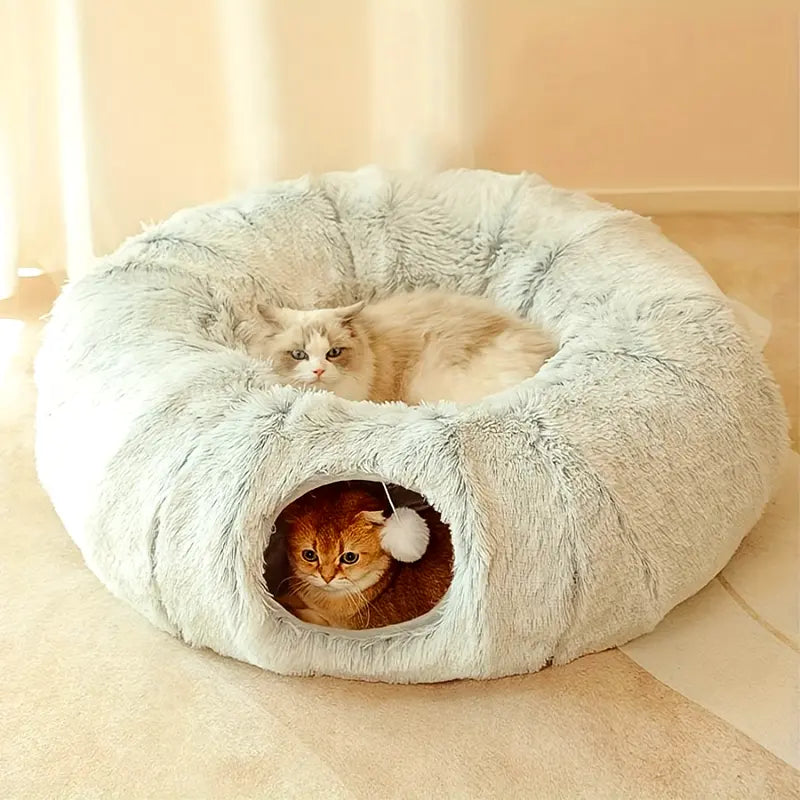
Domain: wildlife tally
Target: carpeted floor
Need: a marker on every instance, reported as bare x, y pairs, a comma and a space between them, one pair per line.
95, 703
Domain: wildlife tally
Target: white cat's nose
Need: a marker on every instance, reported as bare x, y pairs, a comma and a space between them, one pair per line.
319, 371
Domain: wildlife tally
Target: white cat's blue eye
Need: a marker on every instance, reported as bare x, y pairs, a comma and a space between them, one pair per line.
349, 557
309, 555
298, 355
334, 352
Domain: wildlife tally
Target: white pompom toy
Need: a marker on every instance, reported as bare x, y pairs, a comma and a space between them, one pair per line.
405, 534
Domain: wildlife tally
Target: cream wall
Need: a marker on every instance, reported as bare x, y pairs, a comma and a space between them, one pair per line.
177, 102
640, 94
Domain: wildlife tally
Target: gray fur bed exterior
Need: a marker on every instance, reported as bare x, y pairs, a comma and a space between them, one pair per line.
584, 504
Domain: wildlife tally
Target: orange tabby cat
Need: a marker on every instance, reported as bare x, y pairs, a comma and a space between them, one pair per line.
339, 574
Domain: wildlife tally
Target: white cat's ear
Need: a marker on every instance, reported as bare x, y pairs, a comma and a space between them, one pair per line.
375, 517
349, 313
270, 314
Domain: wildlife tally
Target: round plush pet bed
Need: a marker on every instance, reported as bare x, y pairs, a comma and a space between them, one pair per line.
583, 504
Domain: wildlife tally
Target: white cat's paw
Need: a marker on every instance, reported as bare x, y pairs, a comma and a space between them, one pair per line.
405, 535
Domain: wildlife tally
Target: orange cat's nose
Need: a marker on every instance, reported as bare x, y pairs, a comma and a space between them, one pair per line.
328, 576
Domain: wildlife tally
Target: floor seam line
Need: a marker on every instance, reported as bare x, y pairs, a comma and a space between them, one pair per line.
753, 614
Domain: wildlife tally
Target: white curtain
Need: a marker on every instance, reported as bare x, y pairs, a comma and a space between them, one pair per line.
114, 112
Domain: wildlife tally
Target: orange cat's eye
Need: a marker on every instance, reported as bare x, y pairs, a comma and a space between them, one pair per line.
309, 555
349, 557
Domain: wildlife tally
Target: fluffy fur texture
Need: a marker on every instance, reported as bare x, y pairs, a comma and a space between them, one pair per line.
335, 525
583, 504
423, 346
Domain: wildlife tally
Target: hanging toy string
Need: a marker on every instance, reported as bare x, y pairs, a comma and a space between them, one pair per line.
388, 497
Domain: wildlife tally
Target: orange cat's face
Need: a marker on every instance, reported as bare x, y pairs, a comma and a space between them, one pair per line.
334, 543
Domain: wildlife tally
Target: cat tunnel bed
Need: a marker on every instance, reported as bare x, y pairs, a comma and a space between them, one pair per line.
583, 505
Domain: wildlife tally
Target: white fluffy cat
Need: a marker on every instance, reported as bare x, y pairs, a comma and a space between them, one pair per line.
420, 346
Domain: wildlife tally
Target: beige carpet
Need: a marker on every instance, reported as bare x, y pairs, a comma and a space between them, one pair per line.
95, 703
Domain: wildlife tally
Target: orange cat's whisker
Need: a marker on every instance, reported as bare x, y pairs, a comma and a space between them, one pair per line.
295, 586
359, 607
288, 579
293, 581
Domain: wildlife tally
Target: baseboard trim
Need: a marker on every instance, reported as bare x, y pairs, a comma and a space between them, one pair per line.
704, 200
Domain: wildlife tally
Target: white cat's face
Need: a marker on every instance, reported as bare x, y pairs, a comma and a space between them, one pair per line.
320, 349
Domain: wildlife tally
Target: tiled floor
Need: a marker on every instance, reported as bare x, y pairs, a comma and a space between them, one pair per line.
733, 647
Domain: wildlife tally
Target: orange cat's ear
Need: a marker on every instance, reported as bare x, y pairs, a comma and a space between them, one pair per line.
375, 517
291, 515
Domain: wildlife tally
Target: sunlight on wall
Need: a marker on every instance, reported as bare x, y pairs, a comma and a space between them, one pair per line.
8, 223
10, 335
247, 61
13, 88
419, 103
72, 141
